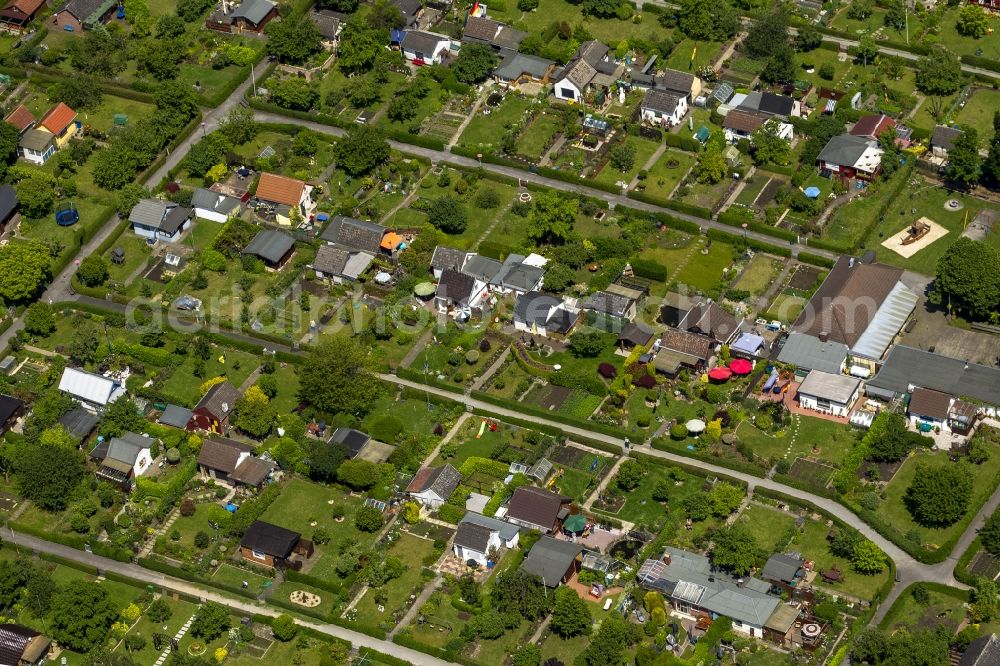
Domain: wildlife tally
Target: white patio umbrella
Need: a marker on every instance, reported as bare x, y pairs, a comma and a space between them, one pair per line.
695, 426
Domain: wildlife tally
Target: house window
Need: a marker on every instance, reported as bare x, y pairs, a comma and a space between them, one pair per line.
258, 555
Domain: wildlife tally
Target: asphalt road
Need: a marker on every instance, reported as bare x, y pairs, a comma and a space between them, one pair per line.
437, 156
172, 584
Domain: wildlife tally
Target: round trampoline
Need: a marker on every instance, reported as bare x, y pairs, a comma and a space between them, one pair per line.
67, 215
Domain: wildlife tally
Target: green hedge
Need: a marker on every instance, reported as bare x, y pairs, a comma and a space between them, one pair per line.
530, 425
417, 376
828, 245
665, 219
368, 630
650, 270
679, 206
496, 250
733, 218
602, 428
153, 563
815, 259
938, 588
687, 143
410, 642
737, 241
962, 574
102, 548
981, 63
680, 449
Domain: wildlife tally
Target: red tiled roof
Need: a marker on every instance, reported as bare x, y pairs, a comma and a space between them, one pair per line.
280, 189
58, 118
29, 7
20, 118
872, 126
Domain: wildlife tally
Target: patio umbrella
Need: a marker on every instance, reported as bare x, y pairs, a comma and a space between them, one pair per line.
424, 289
695, 426
720, 374
811, 192
575, 523
741, 366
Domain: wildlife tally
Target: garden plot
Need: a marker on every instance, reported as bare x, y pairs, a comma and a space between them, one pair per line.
978, 113
758, 275
537, 137
804, 277
812, 472
985, 564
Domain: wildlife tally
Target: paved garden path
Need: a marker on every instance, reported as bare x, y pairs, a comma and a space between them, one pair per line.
425, 593
496, 220
177, 637
603, 484
250, 380
147, 548
775, 286
740, 186
406, 200
650, 163
418, 347
447, 438
487, 88
485, 377
553, 150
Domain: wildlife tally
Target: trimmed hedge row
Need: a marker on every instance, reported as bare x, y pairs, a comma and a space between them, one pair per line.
731, 218
666, 219
735, 240
417, 376
679, 206
827, 245
815, 260
938, 588
962, 574
101, 548
153, 563
446, 655
664, 444
611, 431
399, 136
522, 423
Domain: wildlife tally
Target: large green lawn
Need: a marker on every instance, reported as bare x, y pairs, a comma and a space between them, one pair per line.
643, 150
704, 269
537, 136
946, 609
411, 550
893, 509
816, 438
184, 385
978, 113
486, 129
769, 526
667, 172
812, 543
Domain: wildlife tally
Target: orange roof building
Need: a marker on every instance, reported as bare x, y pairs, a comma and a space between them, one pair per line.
58, 119
391, 241
21, 118
280, 189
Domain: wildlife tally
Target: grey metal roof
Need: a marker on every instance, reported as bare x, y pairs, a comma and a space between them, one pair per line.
79, 422
781, 567
423, 42
836, 388
522, 277
327, 22
354, 440
696, 582
808, 352
517, 64
509, 38
455, 286
984, 651
906, 366
127, 447
844, 149
549, 559
253, 11
164, 216
888, 320
482, 268
674, 80
270, 245
534, 307
507, 530
206, 199
175, 415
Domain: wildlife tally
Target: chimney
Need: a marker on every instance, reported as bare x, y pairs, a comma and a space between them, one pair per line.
824, 336
225, 407
850, 263
666, 557
740, 583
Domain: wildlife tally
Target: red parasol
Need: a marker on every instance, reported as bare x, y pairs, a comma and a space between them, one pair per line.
741, 366
719, 374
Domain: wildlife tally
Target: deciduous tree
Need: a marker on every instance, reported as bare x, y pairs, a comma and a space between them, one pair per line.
337, 378
448, 214
973, 21
292, 39
552, 217
253, 413
211, 620
735, 548
35, 196
571, 614
474, 63
93, 271
363, 149
965, 166
82, 631
867, 558
967, 279
939, 493
47, 475
39, 319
